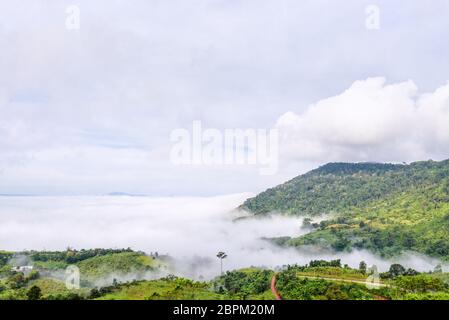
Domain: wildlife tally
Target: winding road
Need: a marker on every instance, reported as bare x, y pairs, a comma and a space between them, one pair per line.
273, 288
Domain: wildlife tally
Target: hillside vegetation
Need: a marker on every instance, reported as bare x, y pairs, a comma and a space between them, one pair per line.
384, 208
315, 281
118, 264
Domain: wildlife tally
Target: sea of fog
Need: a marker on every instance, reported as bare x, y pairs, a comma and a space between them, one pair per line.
190, 229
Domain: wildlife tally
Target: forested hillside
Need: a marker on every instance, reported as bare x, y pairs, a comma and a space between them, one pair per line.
381, 207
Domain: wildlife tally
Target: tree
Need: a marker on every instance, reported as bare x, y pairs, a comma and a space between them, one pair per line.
362, 267
221, 255
307, 223
34, 293
16, 281
94, 293
411, 272
420, 283
334, 292
438, 269
341, 243
396, 270
33, 275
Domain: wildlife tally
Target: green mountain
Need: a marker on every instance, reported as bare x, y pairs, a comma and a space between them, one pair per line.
385, 208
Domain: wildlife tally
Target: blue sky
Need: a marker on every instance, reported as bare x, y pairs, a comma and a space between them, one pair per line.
90, 111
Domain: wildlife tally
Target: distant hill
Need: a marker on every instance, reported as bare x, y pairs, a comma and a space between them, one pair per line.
124, 194
386, 208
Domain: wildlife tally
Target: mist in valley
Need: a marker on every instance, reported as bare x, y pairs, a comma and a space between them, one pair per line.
190, 230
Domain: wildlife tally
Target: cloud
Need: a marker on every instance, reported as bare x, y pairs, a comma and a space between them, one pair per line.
134, 72
191, 230
370, 121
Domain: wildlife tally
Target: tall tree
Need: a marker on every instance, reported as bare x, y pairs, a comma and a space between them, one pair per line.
221, 255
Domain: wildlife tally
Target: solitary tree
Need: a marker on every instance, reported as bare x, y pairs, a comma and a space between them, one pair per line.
221, 255
396, 270
34, 293
362, 267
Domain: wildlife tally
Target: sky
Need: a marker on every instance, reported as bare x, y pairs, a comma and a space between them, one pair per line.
89, 110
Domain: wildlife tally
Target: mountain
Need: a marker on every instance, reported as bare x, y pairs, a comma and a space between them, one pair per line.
386, 208
124, 194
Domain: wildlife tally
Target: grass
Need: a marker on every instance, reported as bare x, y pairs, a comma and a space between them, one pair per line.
52, 287
119, 263
179, 289
334, 272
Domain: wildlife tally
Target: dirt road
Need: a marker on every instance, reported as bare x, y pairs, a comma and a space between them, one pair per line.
273, 288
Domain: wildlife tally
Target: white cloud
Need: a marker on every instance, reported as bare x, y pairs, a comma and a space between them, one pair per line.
134, 72
190, 229
370, 121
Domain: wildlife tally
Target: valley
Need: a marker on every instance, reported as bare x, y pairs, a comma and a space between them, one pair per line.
363, 231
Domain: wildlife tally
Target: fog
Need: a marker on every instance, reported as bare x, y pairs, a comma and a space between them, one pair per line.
190, 230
